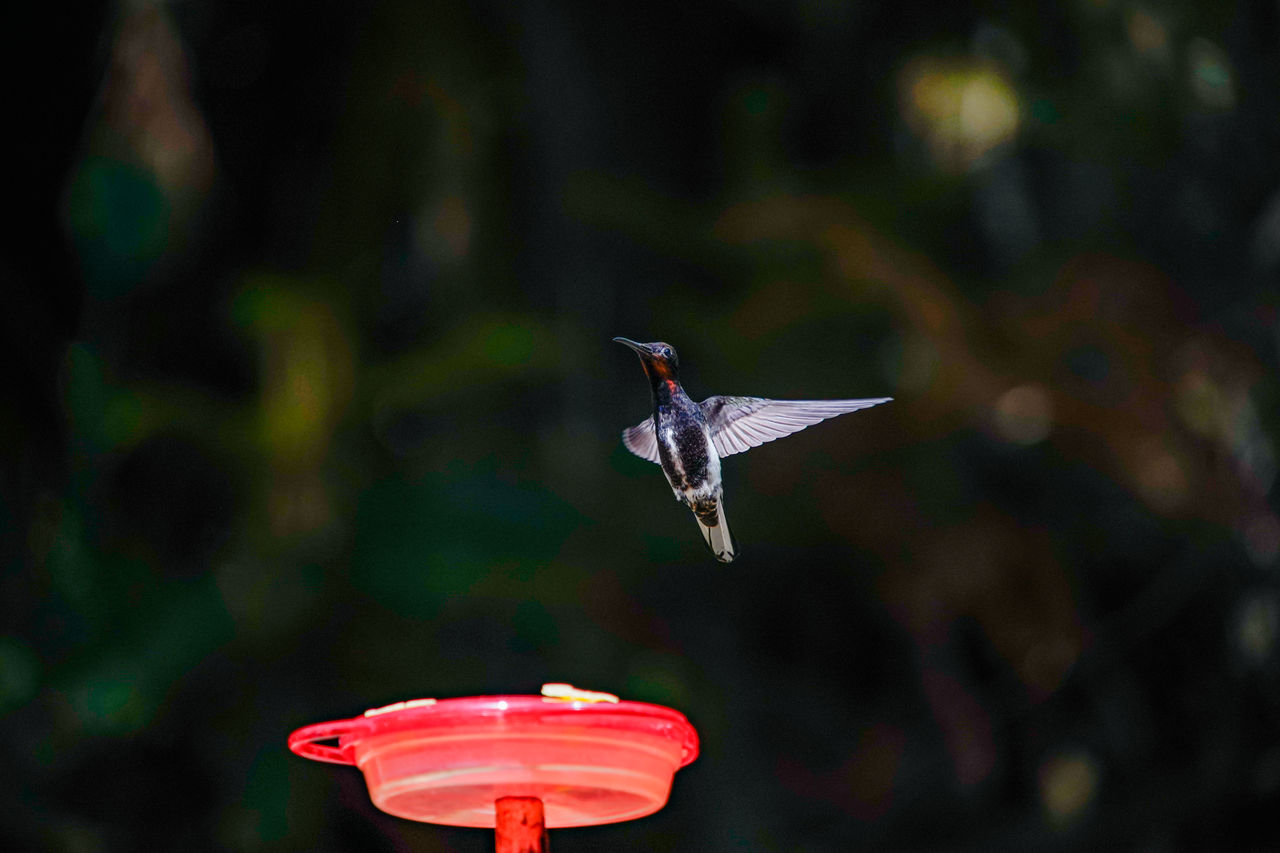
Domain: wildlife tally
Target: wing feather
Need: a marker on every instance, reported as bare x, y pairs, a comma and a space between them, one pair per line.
740, 423
641, 441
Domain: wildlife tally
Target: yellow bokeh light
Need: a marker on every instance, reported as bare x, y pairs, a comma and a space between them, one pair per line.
1068, 783
962, 108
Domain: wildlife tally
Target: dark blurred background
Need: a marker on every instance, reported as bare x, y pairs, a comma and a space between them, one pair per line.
311, 407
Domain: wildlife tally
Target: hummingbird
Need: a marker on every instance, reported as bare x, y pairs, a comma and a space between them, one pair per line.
689, 439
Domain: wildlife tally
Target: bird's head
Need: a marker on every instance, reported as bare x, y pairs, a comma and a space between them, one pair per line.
659, 359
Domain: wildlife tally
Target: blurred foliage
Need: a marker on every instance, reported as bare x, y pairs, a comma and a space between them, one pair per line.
312, 407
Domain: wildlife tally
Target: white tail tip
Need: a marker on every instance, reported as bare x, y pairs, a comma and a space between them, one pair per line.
719, 540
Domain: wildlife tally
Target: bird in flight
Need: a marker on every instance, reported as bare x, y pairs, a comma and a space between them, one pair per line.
689, 439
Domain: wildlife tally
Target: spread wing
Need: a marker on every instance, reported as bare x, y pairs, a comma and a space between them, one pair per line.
741, 423
641, 441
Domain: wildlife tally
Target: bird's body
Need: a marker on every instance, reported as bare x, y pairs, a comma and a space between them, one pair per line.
689, 460
688, 439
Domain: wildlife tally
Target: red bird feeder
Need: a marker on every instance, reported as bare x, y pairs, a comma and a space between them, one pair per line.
520, 764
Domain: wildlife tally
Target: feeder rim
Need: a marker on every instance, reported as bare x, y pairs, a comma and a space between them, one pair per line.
306, 741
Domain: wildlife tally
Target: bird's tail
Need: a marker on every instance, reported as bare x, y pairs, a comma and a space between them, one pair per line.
716, 534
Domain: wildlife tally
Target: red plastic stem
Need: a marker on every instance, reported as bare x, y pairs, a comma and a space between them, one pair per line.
520, 827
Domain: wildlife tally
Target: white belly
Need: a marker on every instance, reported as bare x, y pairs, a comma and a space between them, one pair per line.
710, 487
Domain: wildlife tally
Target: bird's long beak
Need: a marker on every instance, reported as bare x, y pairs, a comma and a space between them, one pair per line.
643, 349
